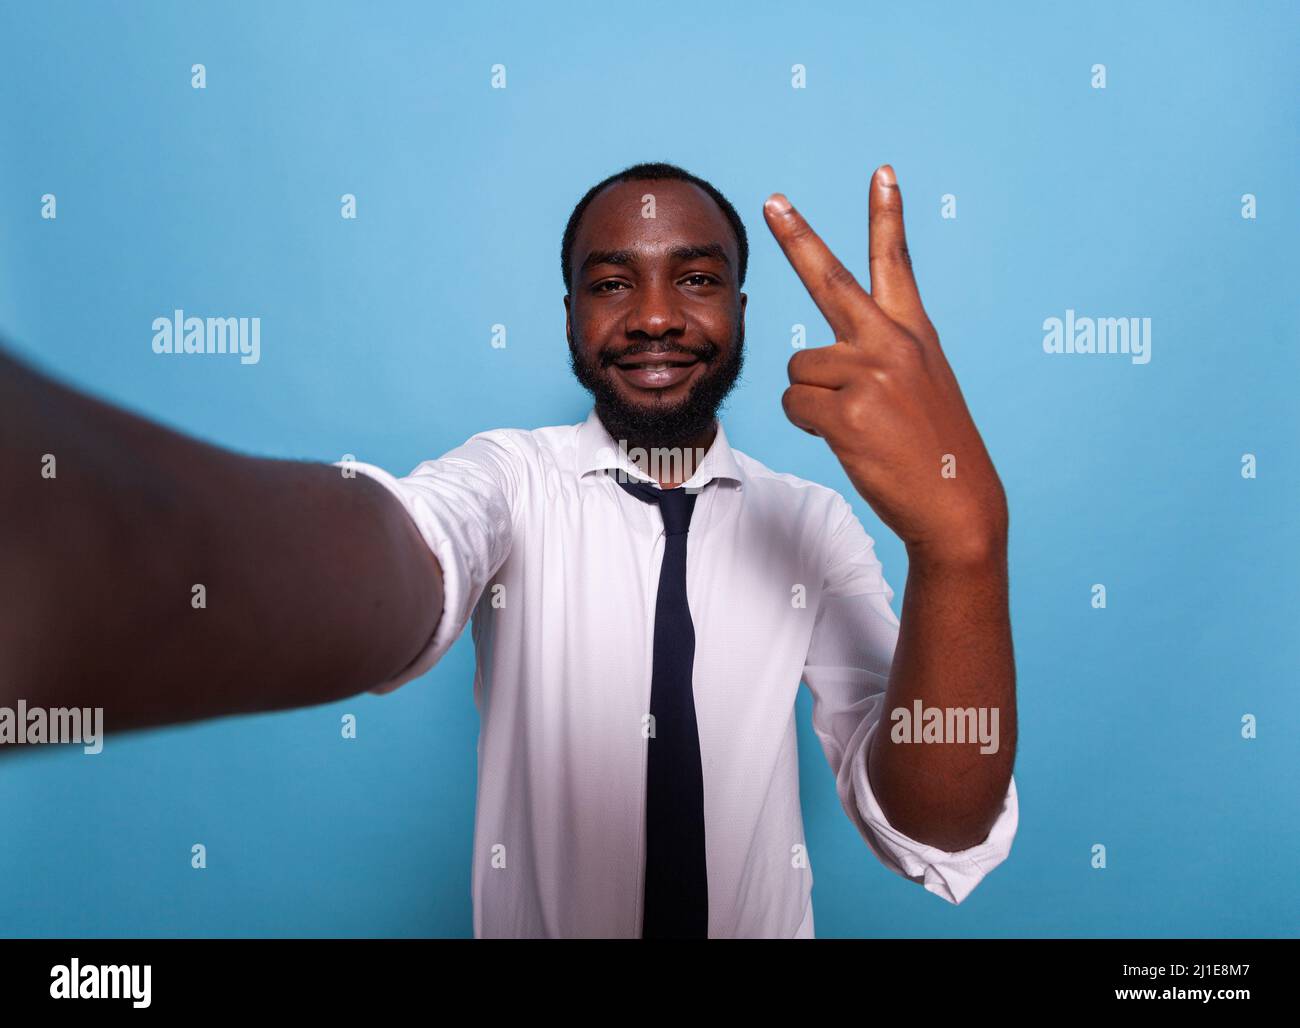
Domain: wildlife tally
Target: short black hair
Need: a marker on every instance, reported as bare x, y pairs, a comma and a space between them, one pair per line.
651, 172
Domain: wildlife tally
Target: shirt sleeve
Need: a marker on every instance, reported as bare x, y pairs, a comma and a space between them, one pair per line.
462, 503
847, 670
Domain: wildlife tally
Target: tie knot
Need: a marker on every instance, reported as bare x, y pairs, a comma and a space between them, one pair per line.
677, 504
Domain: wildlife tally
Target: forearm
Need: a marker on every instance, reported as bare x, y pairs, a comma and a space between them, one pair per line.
314, 586
954, 651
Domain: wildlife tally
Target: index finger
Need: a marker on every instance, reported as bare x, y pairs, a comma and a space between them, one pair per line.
831, 285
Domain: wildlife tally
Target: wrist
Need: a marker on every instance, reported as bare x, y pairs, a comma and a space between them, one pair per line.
968, 551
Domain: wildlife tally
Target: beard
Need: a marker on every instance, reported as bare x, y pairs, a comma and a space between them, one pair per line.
659, 423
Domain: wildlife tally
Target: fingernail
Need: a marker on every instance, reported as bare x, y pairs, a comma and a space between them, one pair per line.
777, 203
886, 175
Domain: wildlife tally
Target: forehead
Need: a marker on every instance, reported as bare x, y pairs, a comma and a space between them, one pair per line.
683, 214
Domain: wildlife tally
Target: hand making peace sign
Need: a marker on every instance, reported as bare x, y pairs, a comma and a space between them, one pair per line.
883, 395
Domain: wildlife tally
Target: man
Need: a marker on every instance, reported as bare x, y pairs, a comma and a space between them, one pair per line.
641, 625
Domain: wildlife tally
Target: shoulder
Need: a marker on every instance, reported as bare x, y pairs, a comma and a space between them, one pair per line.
521, 447
823, 517
792, 492
515, 462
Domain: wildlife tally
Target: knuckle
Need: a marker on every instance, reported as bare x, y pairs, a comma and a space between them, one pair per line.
895, 360
797, 230
855, 413
794, 410
838, 276
910, 353
898, 256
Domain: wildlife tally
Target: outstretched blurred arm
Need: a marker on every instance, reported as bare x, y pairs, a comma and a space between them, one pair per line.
318, 586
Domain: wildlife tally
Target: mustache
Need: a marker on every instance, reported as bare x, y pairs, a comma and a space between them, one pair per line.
705, 352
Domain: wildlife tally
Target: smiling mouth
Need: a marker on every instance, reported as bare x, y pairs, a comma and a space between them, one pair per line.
658, 361
656, 371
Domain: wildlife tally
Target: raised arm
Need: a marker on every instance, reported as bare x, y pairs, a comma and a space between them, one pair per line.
886, 401
315, 586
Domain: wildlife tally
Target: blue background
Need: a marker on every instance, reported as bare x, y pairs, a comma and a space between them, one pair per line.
376, 342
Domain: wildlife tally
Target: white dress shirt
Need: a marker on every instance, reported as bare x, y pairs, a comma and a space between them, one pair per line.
559, 569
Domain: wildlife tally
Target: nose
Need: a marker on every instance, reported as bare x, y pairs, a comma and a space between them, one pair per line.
656, 310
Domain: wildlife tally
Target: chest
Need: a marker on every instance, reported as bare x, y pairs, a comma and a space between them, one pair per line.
577, 595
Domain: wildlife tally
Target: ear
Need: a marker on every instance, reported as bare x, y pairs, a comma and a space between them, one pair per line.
568, 323
744, 300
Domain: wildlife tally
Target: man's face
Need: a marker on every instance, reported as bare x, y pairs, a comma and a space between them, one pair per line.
656, 319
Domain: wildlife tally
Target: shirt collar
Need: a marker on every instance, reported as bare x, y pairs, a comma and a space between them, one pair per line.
598, 451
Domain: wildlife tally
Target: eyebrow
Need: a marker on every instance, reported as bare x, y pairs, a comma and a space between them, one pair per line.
677, 253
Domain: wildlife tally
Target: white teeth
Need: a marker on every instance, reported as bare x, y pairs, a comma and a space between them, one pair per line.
654, 367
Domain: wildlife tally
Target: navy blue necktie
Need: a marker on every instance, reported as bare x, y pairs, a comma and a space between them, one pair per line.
676, 882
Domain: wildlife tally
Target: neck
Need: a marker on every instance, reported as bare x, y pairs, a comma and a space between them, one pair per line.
674, 472
670, 466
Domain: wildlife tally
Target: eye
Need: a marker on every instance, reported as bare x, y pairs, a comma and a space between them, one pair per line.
700, 278
599, 287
